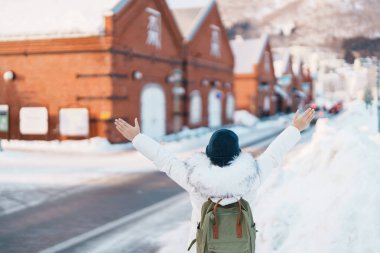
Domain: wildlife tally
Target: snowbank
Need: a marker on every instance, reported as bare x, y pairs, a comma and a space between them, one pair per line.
243, 117
41, 19
92, 145
326, 197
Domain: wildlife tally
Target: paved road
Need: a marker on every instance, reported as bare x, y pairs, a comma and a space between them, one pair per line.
43, 226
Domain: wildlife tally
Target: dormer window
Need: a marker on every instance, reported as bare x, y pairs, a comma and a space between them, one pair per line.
154, 28
215, 41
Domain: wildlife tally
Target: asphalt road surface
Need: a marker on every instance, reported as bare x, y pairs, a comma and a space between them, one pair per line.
43, 226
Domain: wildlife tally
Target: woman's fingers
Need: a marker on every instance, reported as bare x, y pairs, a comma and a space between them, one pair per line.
310, 116
295, 115
123, 123
306, 113
309, 112
120, 129
137, 123
119, 124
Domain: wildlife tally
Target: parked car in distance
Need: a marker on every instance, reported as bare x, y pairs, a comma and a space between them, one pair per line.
336, 107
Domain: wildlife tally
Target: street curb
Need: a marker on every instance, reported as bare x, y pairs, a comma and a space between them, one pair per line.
113, 224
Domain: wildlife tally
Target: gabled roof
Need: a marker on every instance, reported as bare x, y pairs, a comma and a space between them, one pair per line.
191, 18
247, 53
41, 19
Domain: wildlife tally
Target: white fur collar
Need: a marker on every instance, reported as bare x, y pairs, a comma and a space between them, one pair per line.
234, 180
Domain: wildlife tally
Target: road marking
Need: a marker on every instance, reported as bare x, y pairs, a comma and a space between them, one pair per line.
113, 224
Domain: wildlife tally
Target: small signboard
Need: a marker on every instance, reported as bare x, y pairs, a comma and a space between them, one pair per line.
4, 118
34, 120
74, 122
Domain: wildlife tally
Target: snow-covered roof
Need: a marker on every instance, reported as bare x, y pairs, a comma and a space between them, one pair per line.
279, 67
190, 16
280, 64
297, 67
41, 19
247, 53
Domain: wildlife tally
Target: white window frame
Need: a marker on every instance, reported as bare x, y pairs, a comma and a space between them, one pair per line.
153, 28
215, 41
195, 116
230, 108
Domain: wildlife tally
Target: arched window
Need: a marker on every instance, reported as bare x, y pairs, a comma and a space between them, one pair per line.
195, 107
230, 106
154, 28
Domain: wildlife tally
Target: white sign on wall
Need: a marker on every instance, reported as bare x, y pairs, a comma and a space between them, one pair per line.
154, 28
34, 120
74, 122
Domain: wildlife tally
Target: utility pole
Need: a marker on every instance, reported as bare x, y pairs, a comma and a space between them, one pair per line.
378, 93
178, 90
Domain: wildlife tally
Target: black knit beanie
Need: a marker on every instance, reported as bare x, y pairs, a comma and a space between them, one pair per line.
223, 147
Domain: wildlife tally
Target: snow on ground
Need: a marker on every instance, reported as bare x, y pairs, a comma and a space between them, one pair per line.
326, 196
92, 145
55, 169
183, 140
243, 117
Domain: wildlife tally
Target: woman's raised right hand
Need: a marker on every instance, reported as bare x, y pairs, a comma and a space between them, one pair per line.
303, 121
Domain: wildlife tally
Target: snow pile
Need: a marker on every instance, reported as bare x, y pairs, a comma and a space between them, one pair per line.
92, 145
23, 19
243, 117
326, 197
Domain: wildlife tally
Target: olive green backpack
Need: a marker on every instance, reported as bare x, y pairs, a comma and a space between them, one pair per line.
226, 228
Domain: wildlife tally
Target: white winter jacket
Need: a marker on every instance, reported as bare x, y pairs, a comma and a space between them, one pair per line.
202, 180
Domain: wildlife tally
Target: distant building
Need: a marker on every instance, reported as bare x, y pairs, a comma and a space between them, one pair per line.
303, 89
284, 88
254, 76
208, 65
70, 71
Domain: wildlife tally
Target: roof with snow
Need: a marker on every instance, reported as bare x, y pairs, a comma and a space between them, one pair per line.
247, 53
281, 63
41, 19
190, 15
297, 67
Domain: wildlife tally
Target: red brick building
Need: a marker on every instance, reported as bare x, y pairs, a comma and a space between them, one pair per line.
208, 65
303, 85
115, 58
286, 81
254, 76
